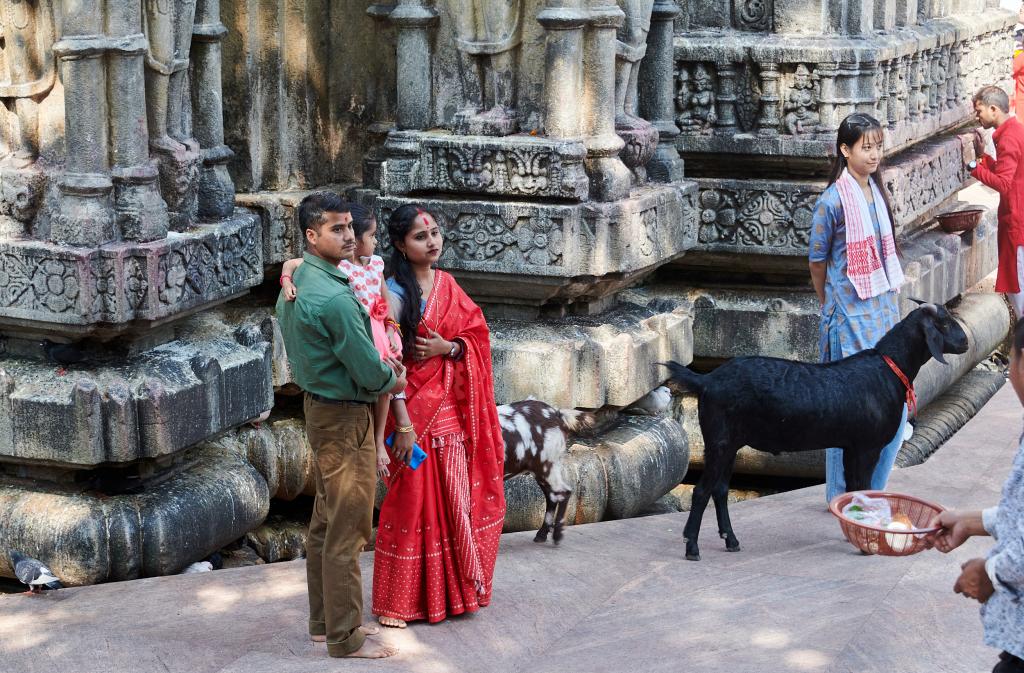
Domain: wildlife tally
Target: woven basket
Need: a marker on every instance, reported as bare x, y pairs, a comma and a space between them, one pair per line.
960, 220
881, 541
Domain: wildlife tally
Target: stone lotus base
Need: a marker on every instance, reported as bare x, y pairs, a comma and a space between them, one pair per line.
116, 408
614, 474
986, 319
76, 292
86, 539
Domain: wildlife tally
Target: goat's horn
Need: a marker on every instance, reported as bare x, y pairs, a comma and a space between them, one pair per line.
931, 308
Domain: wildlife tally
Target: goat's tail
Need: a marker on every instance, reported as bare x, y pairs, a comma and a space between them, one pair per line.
687, 378
574, 420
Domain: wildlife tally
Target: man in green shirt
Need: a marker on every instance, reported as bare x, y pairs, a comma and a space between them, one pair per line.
327, 335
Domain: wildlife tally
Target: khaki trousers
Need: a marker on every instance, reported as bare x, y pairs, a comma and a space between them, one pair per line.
341, 436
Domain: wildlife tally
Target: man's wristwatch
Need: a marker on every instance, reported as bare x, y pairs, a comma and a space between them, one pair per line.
971, 165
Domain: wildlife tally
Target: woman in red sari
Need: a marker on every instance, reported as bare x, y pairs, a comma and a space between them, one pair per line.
437, 538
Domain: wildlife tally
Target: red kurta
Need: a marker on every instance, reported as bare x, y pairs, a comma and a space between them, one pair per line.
1018, 85
437, 538
1005, 174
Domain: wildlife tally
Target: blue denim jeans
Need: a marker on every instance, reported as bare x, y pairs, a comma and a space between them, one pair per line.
835, 478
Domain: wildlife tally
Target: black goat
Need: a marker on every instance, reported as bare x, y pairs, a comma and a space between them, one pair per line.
778, 406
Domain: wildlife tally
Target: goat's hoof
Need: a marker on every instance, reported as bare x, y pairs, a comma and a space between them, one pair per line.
692, 557
540, 537
735, 547
557, 537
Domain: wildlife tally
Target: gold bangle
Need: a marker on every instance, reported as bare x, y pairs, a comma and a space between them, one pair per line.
405, 428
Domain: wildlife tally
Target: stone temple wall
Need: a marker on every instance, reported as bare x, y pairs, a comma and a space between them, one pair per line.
549, 136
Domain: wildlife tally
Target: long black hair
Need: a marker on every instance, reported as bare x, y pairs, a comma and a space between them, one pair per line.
852, 129
398, 267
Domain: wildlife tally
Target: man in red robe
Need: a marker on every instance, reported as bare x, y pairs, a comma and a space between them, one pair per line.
1005, 174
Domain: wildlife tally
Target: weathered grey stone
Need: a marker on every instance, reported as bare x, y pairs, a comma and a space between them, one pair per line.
553, 252
115, 409
86, 539
279, 539
765, 224
737, 90
518, 166
949, 412
644, 457
586, 362
71, 291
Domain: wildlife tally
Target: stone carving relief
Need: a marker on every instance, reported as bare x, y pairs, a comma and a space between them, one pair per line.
695, 100
168, 26
804, 98
917, 186
640, 136
487, 34
522, 168
755, 217
479, 237
27, 74
801, 106
752, 15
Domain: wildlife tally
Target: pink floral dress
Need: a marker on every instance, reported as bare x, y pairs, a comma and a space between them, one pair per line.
366, 282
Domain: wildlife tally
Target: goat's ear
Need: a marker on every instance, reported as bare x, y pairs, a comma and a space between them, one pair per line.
933, 337
915, 300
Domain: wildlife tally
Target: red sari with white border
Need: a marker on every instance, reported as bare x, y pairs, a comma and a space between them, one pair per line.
439, 527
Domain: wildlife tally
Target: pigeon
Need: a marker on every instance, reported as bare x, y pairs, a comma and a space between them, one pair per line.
33, 573
63, 354
197, 567
653, 403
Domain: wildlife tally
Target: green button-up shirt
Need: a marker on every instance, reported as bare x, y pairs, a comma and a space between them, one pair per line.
327, 336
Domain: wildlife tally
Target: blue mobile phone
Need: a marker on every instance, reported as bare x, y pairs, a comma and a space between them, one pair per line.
418, 454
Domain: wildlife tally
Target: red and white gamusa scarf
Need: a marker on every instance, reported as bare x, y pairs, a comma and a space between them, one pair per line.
870, 276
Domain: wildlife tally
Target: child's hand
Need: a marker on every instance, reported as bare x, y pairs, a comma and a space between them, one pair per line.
382, 462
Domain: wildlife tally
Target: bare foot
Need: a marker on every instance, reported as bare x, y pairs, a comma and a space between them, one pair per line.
368, 629
372, 649
392, 622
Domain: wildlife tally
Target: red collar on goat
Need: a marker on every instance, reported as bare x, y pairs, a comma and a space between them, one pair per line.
911, 395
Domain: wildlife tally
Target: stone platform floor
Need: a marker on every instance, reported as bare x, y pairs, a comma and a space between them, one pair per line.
616, 596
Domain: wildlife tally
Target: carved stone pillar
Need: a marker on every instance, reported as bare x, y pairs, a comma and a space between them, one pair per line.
866, 95
914, 88
609, 178
725, 98
882, 91
770, 119
657, 99
216, 190
563, 20
827, 72
413, 19
847, 81
85, 216
140, 211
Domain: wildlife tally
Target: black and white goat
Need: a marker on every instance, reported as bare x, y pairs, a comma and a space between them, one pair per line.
778, 406
535, 437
